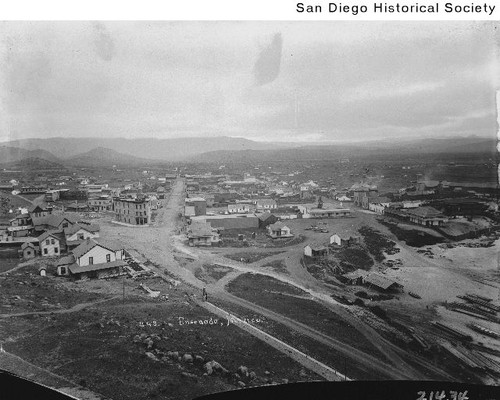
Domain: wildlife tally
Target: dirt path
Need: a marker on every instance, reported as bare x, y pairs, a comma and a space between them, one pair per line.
308, 362
77, 307
161, 242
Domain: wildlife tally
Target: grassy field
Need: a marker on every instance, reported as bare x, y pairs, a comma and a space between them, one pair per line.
98, 348
210, 273
320, 352
272, 294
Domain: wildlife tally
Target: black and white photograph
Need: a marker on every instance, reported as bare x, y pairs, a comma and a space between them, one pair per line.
191, 208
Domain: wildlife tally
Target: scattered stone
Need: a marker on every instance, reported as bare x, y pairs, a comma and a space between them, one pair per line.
302, 373
252, 375
137, 339
188, 375
213, 366
149, 343
267, 373
152, 356
241, 384
242, 371
285, 380
208, 368
188, 358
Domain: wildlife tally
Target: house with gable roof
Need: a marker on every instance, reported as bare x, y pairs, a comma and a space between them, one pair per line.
79, 232
52, 243
96, 259
279, 230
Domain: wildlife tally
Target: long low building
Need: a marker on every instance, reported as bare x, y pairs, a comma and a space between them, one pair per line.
330, 212
234, 221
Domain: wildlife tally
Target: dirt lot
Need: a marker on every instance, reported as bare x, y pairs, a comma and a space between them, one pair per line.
249, 257
256, 238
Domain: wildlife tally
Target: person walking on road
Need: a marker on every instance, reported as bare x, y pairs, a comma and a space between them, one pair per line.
204, 294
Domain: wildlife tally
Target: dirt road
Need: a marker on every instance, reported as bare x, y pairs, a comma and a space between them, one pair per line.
73, 309
160, 243
314, 365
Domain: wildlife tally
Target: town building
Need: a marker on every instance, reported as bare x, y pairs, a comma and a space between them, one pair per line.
194, 206
98, 260
77, 233
279, 230
238, 208
50, 243
330, 213
134, 211
266, 204
380, 282
427, 216
229, 221
266, 219
39, 210
341, 239
100, 204
316, 250
28, 250
55, 222
202, 234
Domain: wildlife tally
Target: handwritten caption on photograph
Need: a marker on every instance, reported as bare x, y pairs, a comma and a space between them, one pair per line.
184, 321
441, 395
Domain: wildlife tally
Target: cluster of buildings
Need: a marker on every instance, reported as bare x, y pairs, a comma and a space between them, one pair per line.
218, 203
74, 243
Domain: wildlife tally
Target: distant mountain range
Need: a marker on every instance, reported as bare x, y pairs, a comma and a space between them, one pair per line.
148, 148
88, 152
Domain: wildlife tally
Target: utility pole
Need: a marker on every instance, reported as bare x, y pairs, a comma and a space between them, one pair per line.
123, 282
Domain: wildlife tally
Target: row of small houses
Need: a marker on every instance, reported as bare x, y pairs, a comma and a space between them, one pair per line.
83, 254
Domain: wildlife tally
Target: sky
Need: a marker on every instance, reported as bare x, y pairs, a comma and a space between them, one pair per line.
267, 81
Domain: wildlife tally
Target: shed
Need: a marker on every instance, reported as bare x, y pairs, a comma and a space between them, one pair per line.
381, 282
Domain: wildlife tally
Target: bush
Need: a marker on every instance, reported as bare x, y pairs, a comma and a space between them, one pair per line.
359, 302
379, 312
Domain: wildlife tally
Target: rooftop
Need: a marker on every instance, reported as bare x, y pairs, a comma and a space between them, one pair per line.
76, 269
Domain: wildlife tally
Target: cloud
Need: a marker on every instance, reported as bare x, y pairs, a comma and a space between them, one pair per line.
167, 79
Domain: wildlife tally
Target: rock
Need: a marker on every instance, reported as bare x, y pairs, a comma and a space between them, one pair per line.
188, 358
302, 373
267, 373
241, 384
188, 375
137, 339
208, 368
152, 356
149, 343
214, 366
242, 371
252, 375
143, 336
285, 381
